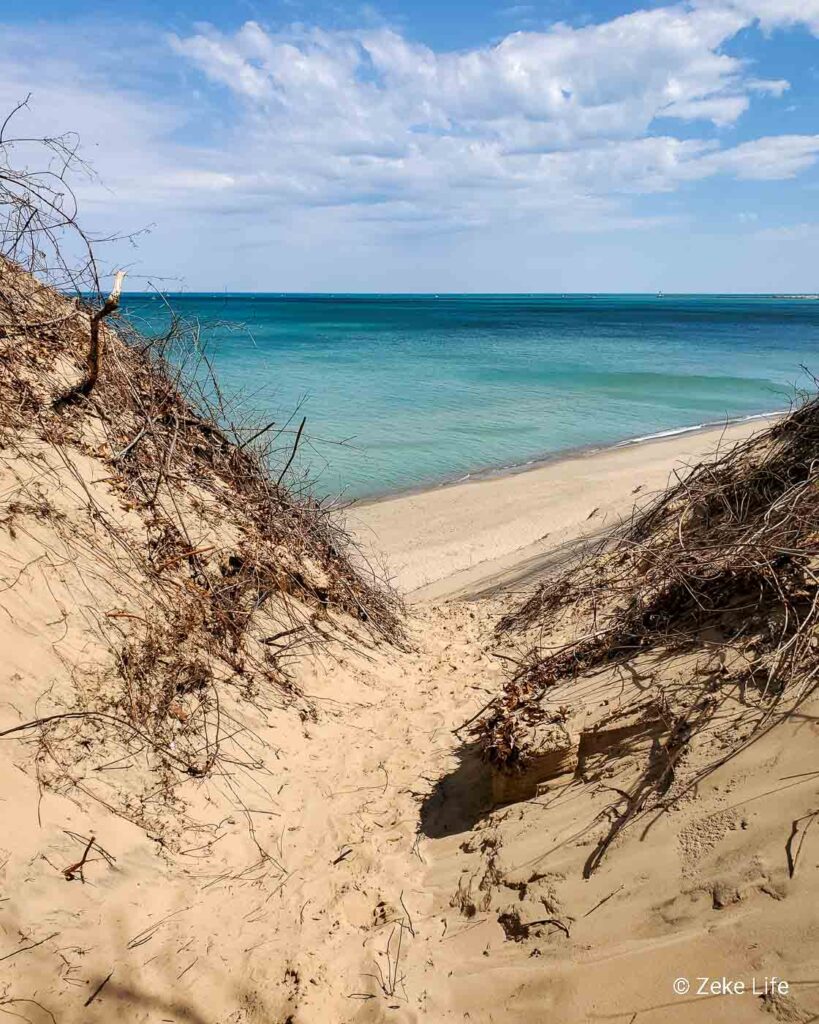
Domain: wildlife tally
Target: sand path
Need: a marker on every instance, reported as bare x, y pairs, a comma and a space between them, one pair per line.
356, 874
408, 895
360, 863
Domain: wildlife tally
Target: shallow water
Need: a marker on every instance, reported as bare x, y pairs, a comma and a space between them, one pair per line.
431, 388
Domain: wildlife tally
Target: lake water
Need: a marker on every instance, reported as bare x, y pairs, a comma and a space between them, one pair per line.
424, 389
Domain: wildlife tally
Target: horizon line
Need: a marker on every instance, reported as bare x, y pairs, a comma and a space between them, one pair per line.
483, 294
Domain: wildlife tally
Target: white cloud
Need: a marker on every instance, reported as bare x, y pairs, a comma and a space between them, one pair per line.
773, 14
766, 159
604, 80
529, 124
553, 127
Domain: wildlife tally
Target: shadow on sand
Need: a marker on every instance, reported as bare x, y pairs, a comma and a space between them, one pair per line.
460, 799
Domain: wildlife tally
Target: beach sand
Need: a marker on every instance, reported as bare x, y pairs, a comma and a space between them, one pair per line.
345, 863
469, 539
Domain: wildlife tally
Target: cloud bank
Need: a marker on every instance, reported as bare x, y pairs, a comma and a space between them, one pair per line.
540, 119
560, 127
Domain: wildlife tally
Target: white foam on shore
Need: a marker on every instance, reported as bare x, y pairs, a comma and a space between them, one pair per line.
516, 468
699, 426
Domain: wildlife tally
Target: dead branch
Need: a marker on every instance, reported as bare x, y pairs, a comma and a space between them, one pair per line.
76, 869
292, 453
721, 562
96, 346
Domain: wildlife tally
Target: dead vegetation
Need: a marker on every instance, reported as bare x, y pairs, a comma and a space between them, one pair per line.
224, 576
705, 604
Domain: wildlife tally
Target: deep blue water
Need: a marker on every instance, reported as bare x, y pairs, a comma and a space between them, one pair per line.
429, 388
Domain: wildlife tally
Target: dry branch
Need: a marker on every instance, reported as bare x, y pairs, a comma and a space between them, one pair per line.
724, 563
221, 574
95, 348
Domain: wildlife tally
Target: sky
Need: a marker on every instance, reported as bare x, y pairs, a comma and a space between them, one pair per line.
428, 146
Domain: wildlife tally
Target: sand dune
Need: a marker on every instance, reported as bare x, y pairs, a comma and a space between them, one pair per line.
321, 844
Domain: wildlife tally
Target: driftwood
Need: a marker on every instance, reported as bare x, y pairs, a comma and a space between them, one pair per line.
96, 346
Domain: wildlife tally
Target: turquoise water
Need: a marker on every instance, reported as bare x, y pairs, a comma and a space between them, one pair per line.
426, 388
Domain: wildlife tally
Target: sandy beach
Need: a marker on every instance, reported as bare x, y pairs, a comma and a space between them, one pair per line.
285, 819
468, 539
244, 783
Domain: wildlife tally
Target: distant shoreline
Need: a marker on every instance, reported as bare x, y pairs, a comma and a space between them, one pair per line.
565, 454
472, 536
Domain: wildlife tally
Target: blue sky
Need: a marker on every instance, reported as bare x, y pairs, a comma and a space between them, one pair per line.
431, 146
